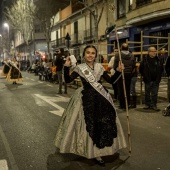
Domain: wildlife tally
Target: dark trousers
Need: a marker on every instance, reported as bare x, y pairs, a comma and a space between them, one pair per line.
121, 90
169, 89
115, 89
133, 86
60, 81
151, 93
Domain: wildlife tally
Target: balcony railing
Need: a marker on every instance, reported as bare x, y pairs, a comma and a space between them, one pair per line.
77, 38
61, 41
53, 44
89, 35
58, 42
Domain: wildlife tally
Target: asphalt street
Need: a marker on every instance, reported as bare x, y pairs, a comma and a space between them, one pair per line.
29, 116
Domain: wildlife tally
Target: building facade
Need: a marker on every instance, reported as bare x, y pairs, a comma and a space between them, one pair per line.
142, 21
134, 19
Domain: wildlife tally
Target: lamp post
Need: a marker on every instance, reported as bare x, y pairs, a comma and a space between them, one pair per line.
1, 49
6, 25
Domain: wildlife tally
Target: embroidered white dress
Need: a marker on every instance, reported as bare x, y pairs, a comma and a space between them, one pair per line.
77, 132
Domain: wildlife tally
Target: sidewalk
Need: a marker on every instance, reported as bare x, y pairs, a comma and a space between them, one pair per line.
162, 93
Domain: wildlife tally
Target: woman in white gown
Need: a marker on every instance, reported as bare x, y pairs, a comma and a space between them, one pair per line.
90, 126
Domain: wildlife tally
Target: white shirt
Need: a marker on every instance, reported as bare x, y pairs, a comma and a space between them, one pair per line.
73, 60
110, 65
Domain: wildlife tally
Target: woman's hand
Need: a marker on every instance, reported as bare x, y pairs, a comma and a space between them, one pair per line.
120, 67
67, 62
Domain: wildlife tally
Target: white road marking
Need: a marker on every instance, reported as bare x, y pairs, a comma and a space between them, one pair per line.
3, 164
32, 79
8, 150
57, 112
51, 100
50, 85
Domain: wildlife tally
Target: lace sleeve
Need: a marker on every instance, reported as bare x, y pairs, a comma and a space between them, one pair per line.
69, 77
111, 79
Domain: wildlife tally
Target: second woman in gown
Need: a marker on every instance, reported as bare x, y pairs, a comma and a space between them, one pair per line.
90, 126
14, 73
6, 68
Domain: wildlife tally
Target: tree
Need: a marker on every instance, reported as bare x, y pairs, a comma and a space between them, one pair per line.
21, 18
46, 11
92, 6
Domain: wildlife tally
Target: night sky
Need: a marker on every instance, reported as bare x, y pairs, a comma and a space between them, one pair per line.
0, 15
3, 3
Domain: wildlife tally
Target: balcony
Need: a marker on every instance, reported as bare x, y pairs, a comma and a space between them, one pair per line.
89, 35
53, 44
147, 11
59, 42
77, 38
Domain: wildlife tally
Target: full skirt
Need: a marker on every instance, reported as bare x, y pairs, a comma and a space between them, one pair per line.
72, 136
14, 74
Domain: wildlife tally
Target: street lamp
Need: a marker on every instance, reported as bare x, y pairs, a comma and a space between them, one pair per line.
6, 25
1, 50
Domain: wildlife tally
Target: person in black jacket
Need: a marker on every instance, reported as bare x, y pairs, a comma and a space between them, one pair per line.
167, 69
151, 68
59, 62
129, 62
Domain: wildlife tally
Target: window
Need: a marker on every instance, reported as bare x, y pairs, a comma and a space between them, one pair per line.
38, 29
142, 2
76, 31
121, 8
130, 4
57, 38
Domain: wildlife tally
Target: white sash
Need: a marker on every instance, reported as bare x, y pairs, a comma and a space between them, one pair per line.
14, 65
6, 63
97, 86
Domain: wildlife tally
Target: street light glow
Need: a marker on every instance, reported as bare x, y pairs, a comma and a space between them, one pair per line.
6, 25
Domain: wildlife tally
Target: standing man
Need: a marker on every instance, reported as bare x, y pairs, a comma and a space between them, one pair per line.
59, 63
112, 71
151, 69
129, 63
167, 69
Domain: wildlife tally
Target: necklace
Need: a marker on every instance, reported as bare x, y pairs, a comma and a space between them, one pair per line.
92, 68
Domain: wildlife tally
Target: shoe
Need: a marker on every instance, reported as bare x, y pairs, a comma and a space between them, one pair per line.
122, 107
100, 162
59, 93
155, 108
114, 100
146, 107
